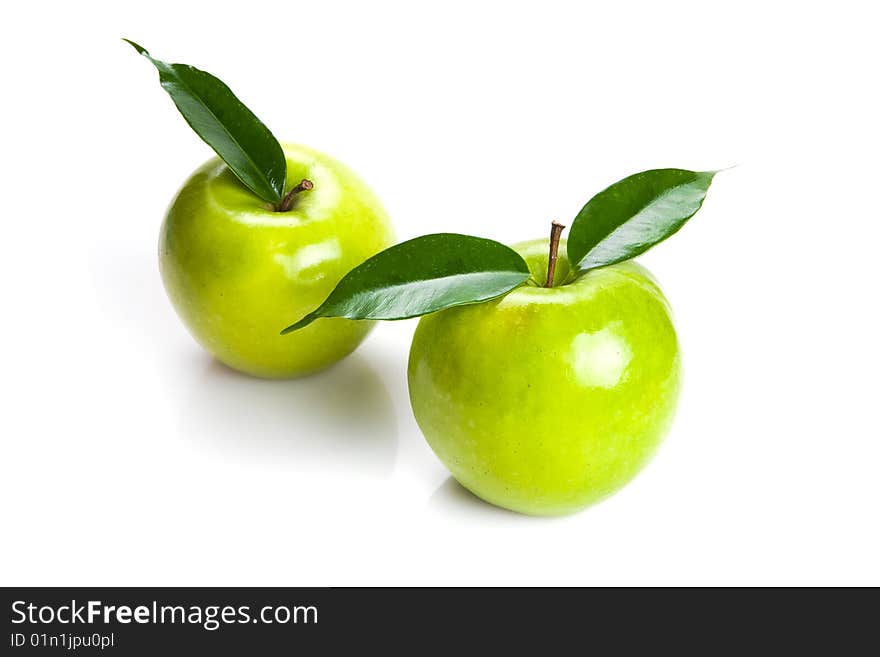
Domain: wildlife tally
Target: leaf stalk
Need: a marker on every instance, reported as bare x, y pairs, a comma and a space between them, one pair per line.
555, 232
305, 185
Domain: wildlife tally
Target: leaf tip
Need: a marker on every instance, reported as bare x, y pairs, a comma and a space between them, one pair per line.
305, 321
140, 49
714, 172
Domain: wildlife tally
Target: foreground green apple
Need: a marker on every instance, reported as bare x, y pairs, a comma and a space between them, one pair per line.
236, 270
549, 399
544, 381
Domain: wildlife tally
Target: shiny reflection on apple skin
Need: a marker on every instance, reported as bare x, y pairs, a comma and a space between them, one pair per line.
599, 359
339, 419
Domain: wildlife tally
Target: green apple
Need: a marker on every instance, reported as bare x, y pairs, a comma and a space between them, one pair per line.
550, 398
544, 381
237, 271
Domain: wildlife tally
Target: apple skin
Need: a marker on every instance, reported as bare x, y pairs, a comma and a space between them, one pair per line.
237, 272
548, 400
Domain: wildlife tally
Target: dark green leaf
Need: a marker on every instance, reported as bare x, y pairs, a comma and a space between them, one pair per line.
634, 214
226, 125
422, 276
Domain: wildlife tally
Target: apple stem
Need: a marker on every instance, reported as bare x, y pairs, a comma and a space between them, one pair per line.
555, 232
304, 186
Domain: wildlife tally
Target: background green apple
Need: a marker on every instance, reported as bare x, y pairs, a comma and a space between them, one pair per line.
238, 272
549, 399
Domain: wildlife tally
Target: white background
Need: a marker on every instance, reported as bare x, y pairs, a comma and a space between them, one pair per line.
129, 457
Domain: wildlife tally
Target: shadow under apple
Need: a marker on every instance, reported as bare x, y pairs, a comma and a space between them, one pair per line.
341, 418
453, 498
